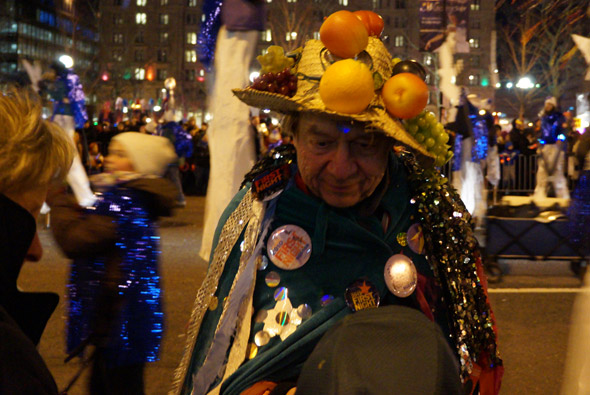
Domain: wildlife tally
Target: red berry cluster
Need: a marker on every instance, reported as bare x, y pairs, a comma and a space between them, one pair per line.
282, 82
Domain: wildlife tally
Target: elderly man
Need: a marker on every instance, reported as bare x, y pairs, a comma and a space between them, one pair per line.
343, 220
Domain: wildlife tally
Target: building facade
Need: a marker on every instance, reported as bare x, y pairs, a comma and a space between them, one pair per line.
143, 42
42, 30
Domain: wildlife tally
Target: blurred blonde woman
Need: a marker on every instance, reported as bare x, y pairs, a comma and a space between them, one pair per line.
33, 154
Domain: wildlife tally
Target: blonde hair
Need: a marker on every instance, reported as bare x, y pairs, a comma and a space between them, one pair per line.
33, 151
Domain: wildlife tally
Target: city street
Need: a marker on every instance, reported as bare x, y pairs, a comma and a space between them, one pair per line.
532, 304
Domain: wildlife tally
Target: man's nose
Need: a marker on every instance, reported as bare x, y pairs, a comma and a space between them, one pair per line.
35, 251
342, 164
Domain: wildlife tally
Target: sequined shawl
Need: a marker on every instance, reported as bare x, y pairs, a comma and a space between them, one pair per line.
451, 254
136, 336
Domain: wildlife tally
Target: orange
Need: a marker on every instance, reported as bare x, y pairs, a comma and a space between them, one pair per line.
344, 34
347, 87
405, 95
372, 21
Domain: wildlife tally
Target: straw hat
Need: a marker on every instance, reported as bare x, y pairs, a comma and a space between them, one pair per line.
310, 67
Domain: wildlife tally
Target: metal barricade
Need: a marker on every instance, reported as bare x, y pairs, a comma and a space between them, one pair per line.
516, 177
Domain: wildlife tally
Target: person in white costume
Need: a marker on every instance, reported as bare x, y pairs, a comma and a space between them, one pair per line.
231, 142
551, 153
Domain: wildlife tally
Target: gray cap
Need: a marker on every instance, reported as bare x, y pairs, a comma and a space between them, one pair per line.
387, 350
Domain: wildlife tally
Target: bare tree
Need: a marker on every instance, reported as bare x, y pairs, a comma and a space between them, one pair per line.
536, 42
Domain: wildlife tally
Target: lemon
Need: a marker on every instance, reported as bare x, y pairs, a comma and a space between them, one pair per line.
347, 87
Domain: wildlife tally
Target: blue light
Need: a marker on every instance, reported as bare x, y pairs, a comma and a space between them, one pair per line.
561, 137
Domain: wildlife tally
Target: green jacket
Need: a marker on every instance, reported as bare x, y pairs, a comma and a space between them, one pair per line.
346, 246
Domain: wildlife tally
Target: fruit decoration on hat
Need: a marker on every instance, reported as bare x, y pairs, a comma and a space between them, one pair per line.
350, 84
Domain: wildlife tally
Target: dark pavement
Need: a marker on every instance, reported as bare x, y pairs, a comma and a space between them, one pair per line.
532, 305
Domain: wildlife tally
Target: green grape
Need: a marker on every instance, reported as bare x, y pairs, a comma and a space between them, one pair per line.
440, 127
422, 123
429, 143
419, 137
412, 128
442, 137
430, 117
274, 60
439, 161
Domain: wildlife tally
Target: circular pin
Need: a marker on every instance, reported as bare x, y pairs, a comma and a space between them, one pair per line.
362, 295
326, 300
400, 275
281, 294
272, 279
261, 338
402, 239
262, 262
289, 247
415, 238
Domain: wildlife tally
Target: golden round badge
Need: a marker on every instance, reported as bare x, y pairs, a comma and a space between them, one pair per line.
289, 247
400, 275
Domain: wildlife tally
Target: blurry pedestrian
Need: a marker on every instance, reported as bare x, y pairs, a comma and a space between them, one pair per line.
114, 287
69, 112
33, 153
550, 169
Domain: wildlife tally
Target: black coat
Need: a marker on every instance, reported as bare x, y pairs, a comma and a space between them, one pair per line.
23, 315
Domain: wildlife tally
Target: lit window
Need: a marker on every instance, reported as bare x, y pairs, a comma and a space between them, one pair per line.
191, 56
291, 36
191, 38
118, 19
475, 5
343, 2
267, 35
163, 2
316, 35
474, 79
118, 38
140, 18
291, 1
117, 55
141, 3
164, 19
140, 73
399, 41
162, 74
474, 43
376, 4
191, 3
163, 37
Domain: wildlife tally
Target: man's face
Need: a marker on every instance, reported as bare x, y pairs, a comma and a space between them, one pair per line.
338, 161
549, 107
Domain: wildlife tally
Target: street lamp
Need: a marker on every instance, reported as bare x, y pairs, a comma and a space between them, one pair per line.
67, 61
525, 83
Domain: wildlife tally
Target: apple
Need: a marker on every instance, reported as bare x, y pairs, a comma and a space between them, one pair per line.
405, 95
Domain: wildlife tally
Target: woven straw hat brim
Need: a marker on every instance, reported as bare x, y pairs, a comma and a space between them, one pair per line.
310, 68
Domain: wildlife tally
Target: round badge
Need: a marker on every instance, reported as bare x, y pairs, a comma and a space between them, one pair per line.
400, 275
362, 295
289, 247
402, 239
415, 238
